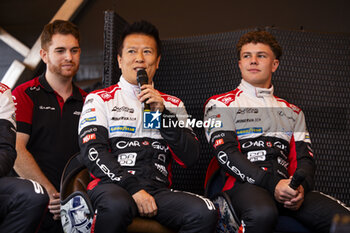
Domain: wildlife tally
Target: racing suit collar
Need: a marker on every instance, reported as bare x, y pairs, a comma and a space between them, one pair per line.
255, 91
132, 89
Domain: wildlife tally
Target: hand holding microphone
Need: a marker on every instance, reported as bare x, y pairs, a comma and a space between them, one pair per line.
149, 94
295, 203
284, 195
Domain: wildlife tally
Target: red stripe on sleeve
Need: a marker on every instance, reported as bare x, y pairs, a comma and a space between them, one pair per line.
182, 164
23, 103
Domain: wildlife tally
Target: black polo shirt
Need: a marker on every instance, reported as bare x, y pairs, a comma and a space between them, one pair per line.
51, 123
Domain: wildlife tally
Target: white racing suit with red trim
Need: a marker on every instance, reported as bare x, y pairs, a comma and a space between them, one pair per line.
22, 202
7, 131
118, 150
262, 139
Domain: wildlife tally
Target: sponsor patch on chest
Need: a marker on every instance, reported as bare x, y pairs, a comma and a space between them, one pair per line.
127, 159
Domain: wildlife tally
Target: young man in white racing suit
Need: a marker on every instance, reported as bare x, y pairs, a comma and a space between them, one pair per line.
130, 164
22, 202
262, 142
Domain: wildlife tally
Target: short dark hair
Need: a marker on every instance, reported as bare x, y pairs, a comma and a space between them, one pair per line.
141, 27
259, 36
58, 27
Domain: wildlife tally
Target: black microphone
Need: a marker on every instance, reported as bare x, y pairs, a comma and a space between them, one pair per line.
142, 79
297, 179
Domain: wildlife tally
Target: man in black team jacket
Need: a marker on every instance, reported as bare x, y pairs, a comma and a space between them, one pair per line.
262, 141
48, 108
22, 202
130, 164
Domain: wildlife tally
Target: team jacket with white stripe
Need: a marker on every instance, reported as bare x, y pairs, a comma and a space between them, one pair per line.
116, 148
7, 131
262, 138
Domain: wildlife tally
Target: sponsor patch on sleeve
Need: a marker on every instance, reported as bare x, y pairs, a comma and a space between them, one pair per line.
172, 99
218, 142
89, 137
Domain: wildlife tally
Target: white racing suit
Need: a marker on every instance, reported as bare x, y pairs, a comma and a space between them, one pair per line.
22, 202
124, 157
263, 139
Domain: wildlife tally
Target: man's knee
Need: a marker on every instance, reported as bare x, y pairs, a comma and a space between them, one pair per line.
208, 212
210, 217
29, 193
202, 212
113, 201
39, 200
117, 205
115, 208
263, 214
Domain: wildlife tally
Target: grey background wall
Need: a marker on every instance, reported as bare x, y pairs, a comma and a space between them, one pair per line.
24, 20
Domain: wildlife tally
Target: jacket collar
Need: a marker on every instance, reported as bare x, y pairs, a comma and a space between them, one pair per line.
132, 89
128, 87
43, 82
255, 91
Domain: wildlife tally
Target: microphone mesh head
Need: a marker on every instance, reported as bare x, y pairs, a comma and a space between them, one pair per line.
142, 77
297, 178
299, 175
